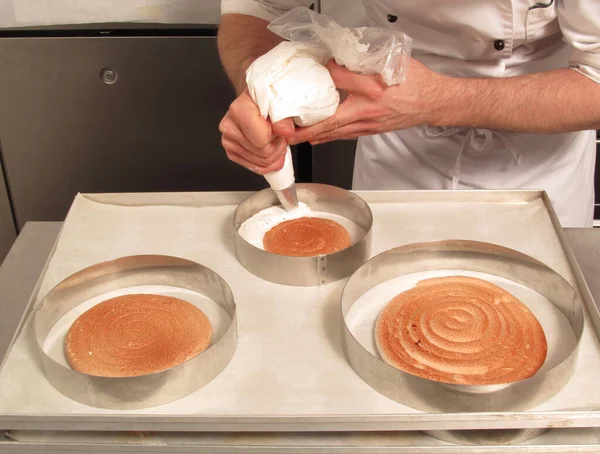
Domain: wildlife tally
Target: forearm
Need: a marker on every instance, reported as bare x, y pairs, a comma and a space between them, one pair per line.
557, 101
241, 40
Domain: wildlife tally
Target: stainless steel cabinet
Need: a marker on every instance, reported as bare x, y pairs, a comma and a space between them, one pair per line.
112, 114
7, 225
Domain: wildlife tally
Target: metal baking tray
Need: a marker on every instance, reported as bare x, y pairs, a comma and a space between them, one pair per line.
558, 441
289, 372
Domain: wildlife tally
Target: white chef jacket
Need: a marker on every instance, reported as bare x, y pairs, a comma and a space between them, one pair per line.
481, 38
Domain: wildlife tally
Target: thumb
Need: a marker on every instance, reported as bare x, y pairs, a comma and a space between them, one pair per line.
284, 128
349, 81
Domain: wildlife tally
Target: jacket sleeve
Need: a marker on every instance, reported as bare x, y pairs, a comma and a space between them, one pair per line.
580, 24
264, 9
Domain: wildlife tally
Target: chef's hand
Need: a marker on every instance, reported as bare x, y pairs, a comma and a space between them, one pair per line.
373, 107
252, 141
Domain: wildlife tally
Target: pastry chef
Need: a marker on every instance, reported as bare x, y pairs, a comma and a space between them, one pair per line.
499, 95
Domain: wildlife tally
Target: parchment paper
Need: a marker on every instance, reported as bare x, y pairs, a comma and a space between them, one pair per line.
289, 359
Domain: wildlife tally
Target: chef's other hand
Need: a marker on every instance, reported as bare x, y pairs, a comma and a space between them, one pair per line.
252, 141
371, 106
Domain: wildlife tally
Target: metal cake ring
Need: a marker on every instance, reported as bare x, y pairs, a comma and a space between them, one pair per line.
431, 396
306, 271
143, 391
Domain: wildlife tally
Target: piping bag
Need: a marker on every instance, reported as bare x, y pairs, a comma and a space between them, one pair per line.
283, 183
291, 81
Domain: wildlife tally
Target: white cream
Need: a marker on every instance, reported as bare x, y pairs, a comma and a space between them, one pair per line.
285, 177
254, 228
290, 81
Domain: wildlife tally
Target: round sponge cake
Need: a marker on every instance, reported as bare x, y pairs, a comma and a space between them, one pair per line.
461, 330
306, 237
136, 334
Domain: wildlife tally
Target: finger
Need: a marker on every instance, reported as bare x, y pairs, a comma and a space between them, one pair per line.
246, 114
241, 160
355, 135
278, 147
277, 164
284, 128
233, 132
370, 127
346, 114
349, 81
261, 170
257, 160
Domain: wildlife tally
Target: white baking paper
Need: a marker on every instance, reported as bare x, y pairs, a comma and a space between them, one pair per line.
289, 358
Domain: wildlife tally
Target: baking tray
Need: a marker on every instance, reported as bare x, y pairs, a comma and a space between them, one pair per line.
289, 372
558, 441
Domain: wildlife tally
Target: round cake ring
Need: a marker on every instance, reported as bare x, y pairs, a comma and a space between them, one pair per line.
146, 390
432, 396
306, 271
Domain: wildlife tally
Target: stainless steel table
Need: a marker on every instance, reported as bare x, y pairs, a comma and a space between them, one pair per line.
19, 275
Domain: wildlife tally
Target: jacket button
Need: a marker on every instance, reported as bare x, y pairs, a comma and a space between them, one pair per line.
499, 44
391, 18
